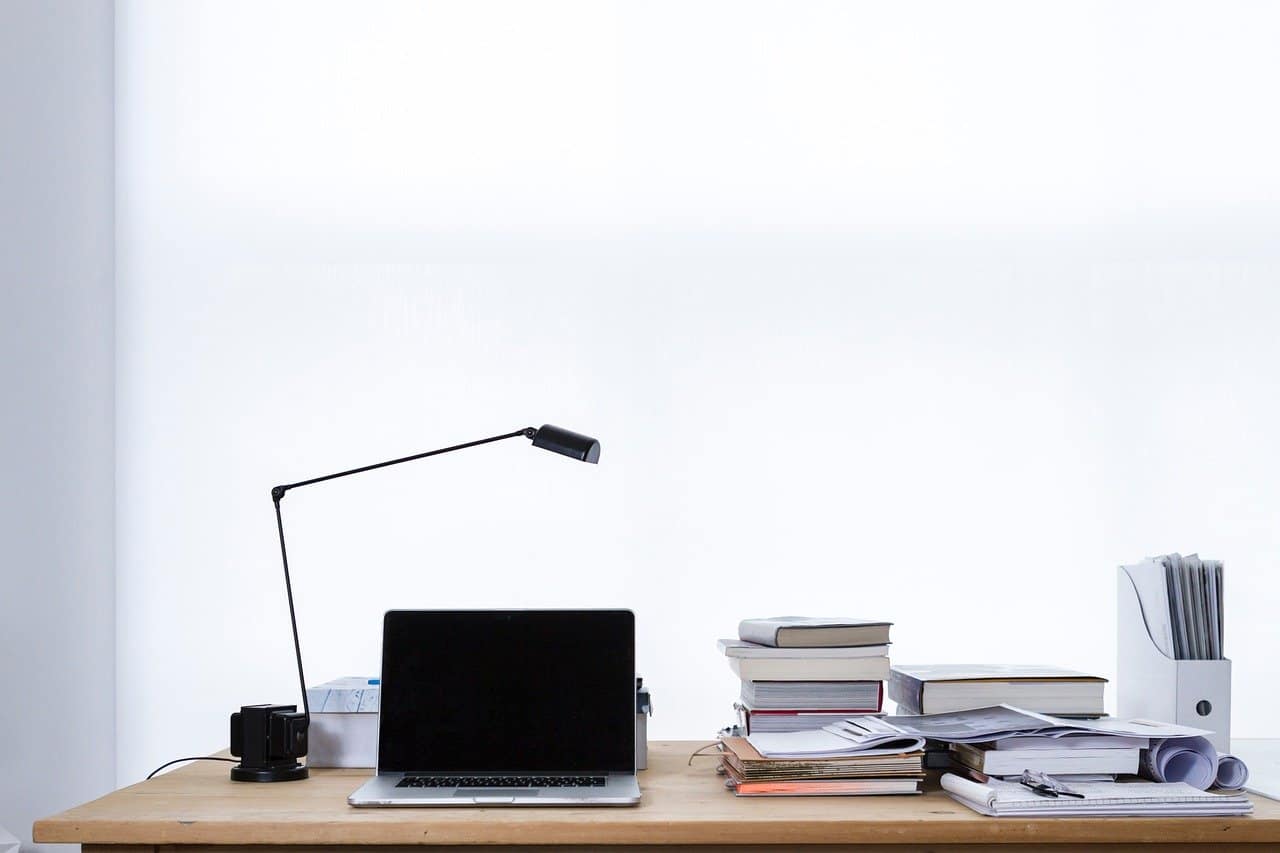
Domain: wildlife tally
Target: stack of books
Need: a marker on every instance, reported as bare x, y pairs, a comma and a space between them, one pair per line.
802, 673
860, 755
748, 773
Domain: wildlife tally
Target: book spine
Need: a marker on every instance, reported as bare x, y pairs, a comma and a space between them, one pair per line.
969, 756
906, 691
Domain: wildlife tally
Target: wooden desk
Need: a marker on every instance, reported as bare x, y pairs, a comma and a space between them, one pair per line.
683, 807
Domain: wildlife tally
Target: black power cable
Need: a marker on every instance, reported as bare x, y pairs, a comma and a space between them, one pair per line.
190, 758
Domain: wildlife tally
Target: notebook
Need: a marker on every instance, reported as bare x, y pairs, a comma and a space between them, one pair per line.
998, 798
506, 707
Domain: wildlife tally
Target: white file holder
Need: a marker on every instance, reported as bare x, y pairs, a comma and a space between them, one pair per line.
1153, 686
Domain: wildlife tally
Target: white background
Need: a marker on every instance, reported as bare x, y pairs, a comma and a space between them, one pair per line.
933, 312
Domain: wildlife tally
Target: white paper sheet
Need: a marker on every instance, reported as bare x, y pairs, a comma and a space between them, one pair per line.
855, 736
1232, 773
1192, 760
1153, 598
1001, 721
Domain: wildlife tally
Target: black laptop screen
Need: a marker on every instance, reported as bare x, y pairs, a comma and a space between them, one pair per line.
508, 690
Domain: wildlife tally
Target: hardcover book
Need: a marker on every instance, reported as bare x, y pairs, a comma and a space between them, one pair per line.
814, 631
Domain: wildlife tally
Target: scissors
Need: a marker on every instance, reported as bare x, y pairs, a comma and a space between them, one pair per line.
1046, 786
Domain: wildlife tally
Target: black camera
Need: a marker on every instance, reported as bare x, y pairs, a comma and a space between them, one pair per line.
268, 740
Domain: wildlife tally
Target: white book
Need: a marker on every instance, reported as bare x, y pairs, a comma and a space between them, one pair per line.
813, 695
1007, 762
941, 688
813, 631
810, 669
743, 649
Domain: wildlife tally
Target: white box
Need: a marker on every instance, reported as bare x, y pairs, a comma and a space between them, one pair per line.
1151, 685
344, 723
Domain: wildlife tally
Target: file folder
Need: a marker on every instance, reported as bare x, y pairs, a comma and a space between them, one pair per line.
1151, 684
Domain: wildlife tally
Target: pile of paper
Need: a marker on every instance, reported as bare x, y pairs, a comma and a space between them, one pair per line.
869, 758
1181, 600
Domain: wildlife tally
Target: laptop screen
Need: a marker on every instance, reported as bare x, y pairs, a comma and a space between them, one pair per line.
507, 690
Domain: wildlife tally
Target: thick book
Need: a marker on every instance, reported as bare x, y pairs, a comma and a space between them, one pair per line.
748, 763
817, 787
941, 688
1011, 762
812, 695
743, 649
814, 631
764, 720
810, 669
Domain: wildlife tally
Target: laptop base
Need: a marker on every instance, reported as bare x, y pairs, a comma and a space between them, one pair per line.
620, 789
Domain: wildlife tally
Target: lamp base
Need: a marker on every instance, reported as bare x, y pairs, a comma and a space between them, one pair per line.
240, 773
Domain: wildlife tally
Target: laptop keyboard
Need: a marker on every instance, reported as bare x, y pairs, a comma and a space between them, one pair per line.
501, 782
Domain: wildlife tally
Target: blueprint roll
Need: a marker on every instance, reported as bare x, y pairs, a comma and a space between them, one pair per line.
1182, 759
1232, 773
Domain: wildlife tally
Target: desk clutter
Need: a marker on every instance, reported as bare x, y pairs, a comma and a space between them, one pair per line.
803, 673
1014, 740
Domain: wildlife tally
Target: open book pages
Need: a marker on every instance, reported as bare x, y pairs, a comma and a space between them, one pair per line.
864, 735
747, 762
999, 798
1002, 721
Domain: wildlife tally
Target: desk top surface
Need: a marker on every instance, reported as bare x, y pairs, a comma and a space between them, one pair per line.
198, 804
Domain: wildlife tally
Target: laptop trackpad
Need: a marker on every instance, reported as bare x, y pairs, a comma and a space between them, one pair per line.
495, 795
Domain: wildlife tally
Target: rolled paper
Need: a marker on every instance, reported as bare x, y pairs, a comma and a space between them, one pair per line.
1232, 773
1181, 759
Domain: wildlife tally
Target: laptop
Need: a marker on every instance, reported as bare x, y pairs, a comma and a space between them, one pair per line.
506, 707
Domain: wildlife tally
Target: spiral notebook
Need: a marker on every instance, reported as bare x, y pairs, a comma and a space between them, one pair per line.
1100, 799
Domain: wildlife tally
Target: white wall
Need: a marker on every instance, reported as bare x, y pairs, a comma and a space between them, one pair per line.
57, 585
928, 311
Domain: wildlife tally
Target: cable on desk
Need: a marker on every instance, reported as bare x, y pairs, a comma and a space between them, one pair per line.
701, 752
191, 758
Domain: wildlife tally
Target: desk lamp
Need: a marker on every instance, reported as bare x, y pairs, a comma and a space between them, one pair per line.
269, 739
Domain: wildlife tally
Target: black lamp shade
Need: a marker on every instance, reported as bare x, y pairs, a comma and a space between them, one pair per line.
569, 443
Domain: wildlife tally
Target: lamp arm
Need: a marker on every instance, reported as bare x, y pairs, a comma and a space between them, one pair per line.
278, 492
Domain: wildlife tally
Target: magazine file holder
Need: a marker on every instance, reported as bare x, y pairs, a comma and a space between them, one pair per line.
1153, 686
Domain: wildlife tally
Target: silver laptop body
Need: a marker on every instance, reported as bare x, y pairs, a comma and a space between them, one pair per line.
517, 707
